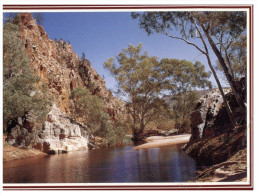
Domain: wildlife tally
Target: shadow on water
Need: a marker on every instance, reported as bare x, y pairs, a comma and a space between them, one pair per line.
117, 164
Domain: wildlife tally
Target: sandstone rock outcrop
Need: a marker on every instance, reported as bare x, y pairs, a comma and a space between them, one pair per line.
59, 134
61, 70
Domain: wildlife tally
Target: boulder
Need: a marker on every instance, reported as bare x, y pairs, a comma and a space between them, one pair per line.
202, 118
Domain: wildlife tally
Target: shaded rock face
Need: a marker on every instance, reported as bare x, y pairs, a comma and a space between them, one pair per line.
58, 68
214, 139
204, 120
214, 150
59, 134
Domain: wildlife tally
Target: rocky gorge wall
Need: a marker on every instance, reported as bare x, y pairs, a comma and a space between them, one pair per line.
214, 139
58, 67
61, 70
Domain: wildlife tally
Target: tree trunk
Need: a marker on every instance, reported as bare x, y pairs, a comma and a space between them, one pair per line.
225, 69
229, 111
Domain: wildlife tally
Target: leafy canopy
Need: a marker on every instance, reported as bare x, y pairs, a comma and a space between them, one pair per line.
183, 78
227, 30
140, 81
143, 80
217, 29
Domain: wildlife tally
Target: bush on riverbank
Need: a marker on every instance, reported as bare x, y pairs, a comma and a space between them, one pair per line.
90, 110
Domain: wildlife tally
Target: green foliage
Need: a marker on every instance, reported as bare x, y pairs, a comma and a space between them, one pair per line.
19, 93
165, 124
11, 18
87, 106
217, 29
84, 72
83, 56
90, 108
140, 81
60, 44
183, 78
230, 23
143, 80
236, 57
184, 104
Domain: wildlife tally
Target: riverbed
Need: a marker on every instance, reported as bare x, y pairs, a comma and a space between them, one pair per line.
121, 164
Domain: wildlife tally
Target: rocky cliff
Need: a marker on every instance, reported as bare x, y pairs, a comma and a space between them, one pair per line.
61, 70
214, 139
58, 66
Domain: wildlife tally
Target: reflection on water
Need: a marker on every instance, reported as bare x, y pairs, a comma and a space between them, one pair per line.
120, 164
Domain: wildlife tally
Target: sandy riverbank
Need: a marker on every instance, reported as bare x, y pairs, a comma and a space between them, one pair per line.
157, 141
15, 153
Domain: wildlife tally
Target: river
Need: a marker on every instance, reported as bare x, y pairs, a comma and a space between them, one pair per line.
108, 165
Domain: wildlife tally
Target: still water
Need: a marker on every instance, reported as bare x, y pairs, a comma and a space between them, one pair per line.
118, 164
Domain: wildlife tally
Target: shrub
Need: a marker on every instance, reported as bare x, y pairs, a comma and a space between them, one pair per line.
20, 96
91, 109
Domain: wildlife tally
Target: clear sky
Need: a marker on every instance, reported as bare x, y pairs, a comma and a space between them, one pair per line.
101, 35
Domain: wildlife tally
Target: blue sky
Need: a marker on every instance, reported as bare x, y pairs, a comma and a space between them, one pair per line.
101, 35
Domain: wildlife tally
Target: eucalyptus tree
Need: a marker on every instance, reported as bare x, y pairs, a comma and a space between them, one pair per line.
143, 80
141, 83
207, 27
221, 30
235, 55
183, 79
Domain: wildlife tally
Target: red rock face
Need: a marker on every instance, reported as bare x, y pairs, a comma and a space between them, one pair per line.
57, 66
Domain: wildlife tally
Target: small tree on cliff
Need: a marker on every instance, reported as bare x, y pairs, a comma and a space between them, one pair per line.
39, 17
83, 56
140, 81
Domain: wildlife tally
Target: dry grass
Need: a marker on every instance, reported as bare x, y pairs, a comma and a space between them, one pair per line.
164, 124
230, 171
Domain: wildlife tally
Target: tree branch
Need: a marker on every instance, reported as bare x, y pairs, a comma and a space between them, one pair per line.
188, 42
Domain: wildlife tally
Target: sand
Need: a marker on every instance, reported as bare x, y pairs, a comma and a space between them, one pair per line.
15, 153
157, 141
